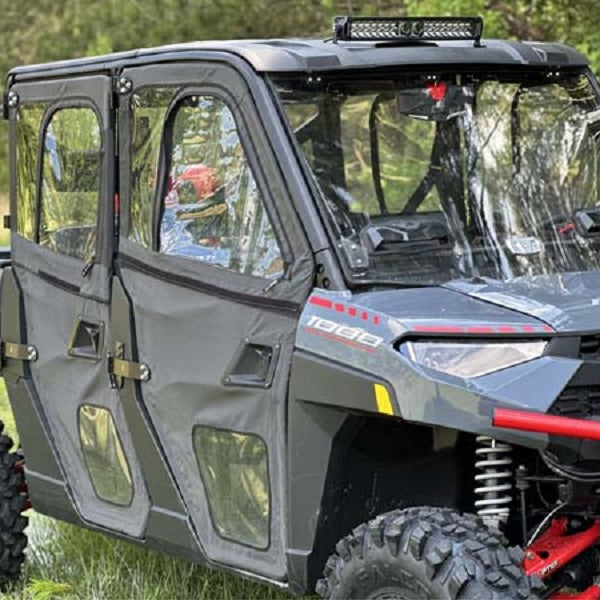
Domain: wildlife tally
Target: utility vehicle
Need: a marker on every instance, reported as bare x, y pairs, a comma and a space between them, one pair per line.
321, 313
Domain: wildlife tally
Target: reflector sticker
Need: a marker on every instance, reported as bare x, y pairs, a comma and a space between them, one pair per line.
382, 397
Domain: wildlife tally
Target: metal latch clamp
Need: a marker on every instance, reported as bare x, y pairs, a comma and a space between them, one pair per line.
25, 352
120, 369
130, 370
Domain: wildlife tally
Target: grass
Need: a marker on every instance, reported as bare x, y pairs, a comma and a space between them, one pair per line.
67, 562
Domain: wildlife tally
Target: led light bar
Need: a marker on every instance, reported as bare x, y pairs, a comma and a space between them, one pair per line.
407, 29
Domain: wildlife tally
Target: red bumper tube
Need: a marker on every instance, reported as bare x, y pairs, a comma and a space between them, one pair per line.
507, 418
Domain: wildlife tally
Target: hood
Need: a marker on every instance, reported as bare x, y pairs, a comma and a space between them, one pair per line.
441, 305
567, 302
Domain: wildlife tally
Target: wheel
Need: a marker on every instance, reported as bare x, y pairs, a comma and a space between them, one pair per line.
12, 503
426, 553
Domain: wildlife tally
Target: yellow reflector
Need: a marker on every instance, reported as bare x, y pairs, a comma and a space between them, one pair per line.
384, 404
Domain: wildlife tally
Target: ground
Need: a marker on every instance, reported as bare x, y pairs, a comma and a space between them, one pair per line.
67, 562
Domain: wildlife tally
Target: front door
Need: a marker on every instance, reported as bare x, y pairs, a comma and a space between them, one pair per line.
214, 268
62, 245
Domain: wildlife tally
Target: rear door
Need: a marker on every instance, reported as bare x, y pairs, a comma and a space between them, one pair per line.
62, 243
214, 268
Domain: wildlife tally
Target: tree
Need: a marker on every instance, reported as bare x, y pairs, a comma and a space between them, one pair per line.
44, 30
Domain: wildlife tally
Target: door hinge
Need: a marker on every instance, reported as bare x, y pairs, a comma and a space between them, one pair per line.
17, 351
120, 369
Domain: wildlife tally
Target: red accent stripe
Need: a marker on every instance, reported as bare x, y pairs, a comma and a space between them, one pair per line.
541, 423
480, 329
351, 311
506, 329
322, 302
547, 328
376, 319
339, 308
438, 329
364, 315
528, 329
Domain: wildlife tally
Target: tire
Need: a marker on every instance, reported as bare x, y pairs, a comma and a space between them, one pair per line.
426, 553
12, 503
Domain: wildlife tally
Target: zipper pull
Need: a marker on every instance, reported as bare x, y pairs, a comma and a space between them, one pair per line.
88, 266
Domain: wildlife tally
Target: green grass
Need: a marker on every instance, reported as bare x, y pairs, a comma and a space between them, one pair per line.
67, 562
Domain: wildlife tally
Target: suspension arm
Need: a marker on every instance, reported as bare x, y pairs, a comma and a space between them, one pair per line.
554, 548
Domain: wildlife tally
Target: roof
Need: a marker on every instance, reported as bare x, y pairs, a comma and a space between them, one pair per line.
289, 55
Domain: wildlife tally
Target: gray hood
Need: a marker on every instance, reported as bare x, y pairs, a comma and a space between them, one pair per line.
565, 301
568, 302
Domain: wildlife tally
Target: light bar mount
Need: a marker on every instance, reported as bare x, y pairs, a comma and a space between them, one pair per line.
407, 29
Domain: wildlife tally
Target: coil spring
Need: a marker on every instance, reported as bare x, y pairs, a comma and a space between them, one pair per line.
494, 481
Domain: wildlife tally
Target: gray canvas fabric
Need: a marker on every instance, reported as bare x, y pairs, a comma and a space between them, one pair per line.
63, 384
188, 339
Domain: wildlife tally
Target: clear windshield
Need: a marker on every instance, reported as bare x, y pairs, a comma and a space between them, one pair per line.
432, 178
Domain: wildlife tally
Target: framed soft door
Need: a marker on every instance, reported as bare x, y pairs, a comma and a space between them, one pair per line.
215, 268
62, 243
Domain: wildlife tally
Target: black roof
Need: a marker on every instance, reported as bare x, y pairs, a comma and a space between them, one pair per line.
289, 55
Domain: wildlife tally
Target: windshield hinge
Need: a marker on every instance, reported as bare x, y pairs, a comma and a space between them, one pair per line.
120, 369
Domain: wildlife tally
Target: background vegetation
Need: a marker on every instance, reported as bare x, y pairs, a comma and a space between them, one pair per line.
66, 562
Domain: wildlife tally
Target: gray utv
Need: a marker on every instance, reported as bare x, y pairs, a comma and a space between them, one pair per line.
321, 313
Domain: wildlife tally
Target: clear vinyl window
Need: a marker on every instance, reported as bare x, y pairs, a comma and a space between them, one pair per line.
434, 177
235, 473
148, 111
29, 121
70, 185
104, 456
213, 210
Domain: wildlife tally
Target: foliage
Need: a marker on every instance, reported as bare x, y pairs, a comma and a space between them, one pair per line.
44, 30
43, 589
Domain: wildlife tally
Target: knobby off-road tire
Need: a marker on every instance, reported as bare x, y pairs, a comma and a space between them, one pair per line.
12, 522
426, 553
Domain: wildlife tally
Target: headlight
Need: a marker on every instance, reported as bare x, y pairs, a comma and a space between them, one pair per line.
472, 359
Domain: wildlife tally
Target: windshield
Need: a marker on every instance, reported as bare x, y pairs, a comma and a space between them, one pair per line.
432, 178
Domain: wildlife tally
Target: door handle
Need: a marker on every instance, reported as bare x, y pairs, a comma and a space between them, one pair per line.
87, 339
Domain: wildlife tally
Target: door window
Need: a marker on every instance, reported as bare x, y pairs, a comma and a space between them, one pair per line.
104, 456
212, 210
148, 109
234, 471
70, 184
29, 121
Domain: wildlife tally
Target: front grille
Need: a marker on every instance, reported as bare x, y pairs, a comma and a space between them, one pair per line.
589, 347
578, 402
